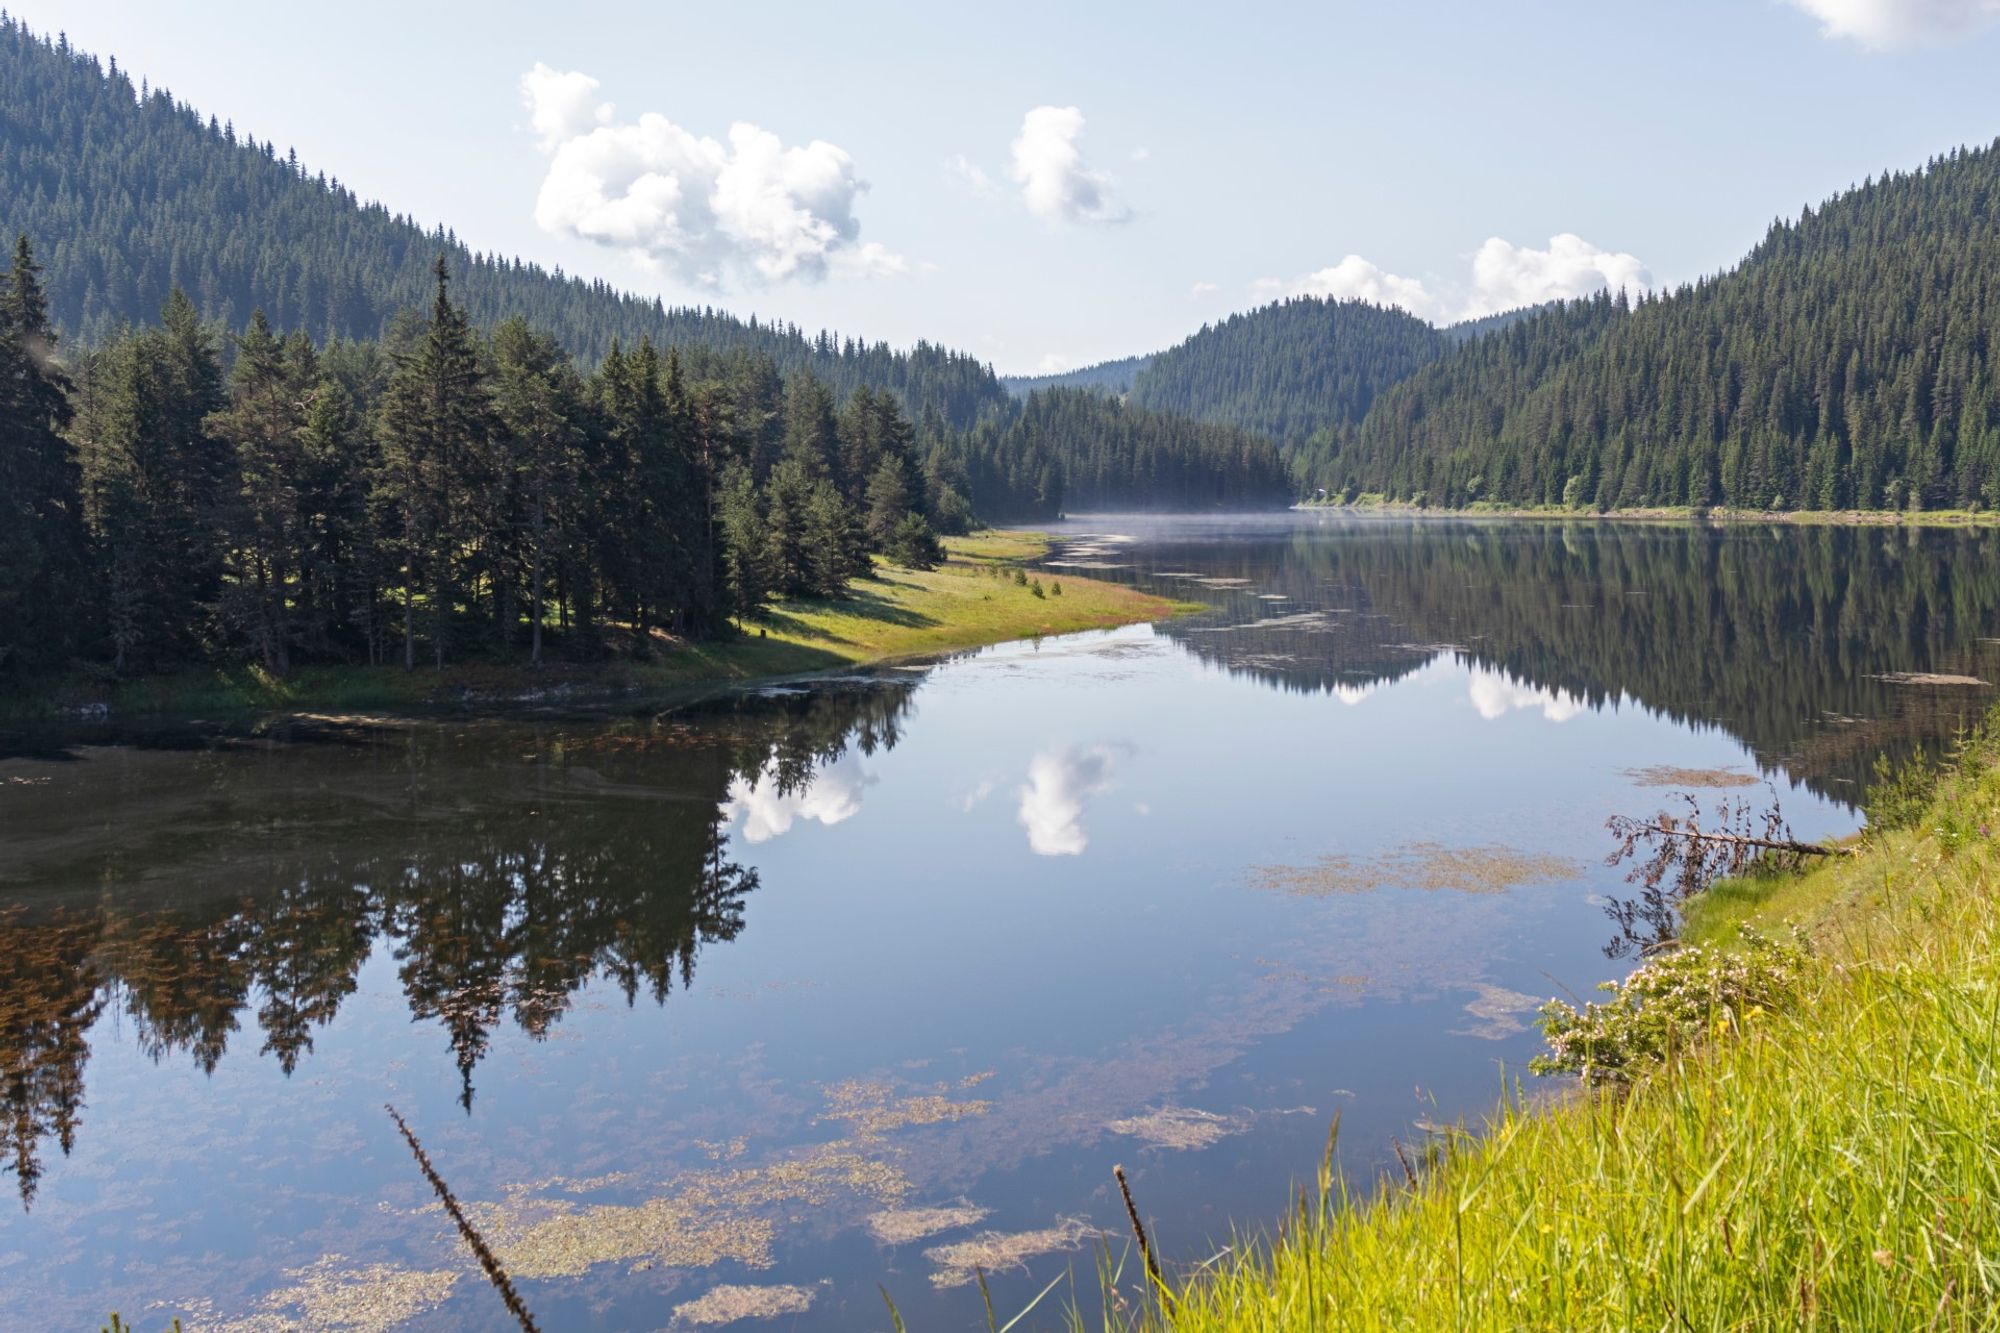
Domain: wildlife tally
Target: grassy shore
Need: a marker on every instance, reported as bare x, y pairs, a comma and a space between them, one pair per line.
1875, 518
1830, 1162
969, 601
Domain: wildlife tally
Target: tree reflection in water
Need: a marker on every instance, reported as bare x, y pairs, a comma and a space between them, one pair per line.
599, 851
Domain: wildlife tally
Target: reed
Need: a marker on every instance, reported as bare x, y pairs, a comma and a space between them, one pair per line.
488, 1261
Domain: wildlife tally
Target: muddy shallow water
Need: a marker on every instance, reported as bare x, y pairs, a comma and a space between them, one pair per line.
736, 1012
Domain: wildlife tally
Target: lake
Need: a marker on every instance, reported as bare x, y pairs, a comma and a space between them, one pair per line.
762, 1005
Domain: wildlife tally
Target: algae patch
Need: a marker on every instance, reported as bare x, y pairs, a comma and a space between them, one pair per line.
1179, 1127
725, 1305
999, 1251
874, 1109
1668, 775
329, 1294
900, 1226
1429, 866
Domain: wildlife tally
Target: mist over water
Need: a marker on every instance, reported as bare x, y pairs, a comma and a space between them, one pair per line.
811, 989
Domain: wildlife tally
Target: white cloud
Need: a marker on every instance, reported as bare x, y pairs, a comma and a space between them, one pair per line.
1507, 277
1142, 154
561, 105
1356, 279
1058, 785
1504, 277
831, 796
1052, 363
707, 211
1494, 695
1056, 183
1882, 24
969, 173
1204, 289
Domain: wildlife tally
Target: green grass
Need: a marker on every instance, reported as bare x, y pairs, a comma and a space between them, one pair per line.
969, 601
1834, 1164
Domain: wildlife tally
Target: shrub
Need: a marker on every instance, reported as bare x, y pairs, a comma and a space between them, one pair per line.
1671, 1004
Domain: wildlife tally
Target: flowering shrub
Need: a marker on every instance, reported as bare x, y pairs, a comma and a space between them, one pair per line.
1670, 1004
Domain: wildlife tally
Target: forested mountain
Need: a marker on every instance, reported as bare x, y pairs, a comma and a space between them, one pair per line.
1291, 368
1108, 455
1848, 361
127, 194
1112, 377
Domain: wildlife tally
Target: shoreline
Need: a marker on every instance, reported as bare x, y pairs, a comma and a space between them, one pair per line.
1718, 515
970, 601
1770, 1157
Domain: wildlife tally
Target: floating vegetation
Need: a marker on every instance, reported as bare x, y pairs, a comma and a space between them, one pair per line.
1667, 775
727, 1304
1487, 868
874, 1109
1179, 1127
1000, 1251
900, 1226
1927, 678
1501, 1012
712, 1215
330, 1294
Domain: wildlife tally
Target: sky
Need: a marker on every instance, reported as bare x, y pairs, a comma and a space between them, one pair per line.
1050, 185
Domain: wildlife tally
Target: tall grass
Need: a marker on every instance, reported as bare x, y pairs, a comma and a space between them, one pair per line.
1829, 1164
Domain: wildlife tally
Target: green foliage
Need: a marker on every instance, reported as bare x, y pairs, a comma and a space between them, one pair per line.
1290, 369
129, 196
1668, 1006
1845, 363
913, 545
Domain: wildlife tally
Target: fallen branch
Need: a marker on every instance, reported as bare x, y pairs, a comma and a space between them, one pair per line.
1790, 845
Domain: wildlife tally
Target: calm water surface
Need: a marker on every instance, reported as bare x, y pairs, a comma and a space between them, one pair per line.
864, 979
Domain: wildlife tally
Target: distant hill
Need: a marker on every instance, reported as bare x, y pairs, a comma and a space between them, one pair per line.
1112, 377
127, 193
1848, 361
1291, 368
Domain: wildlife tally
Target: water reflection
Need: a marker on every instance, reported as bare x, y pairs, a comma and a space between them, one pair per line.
768, 808
1819, 647
1059, 783
499, 889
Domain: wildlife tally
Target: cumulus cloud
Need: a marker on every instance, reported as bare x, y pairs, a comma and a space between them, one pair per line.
1056, 183
1356, 279
1882, 24
1058, 784
1507, 277
1494, 695
1504, 277
707, 211
830, 797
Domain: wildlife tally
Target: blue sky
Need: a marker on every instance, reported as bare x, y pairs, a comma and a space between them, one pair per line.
1052, 184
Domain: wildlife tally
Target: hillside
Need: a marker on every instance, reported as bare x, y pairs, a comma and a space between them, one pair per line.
1112, 377
1847, 362
126, 193
1290, 368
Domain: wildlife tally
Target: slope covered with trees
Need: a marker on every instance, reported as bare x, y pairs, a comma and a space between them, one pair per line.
436, 495
1848, 361
1290, 369
129, 194
1112, 377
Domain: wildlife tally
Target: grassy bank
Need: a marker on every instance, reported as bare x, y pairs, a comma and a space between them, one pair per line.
1880, 518
1832, 1161
969, 601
